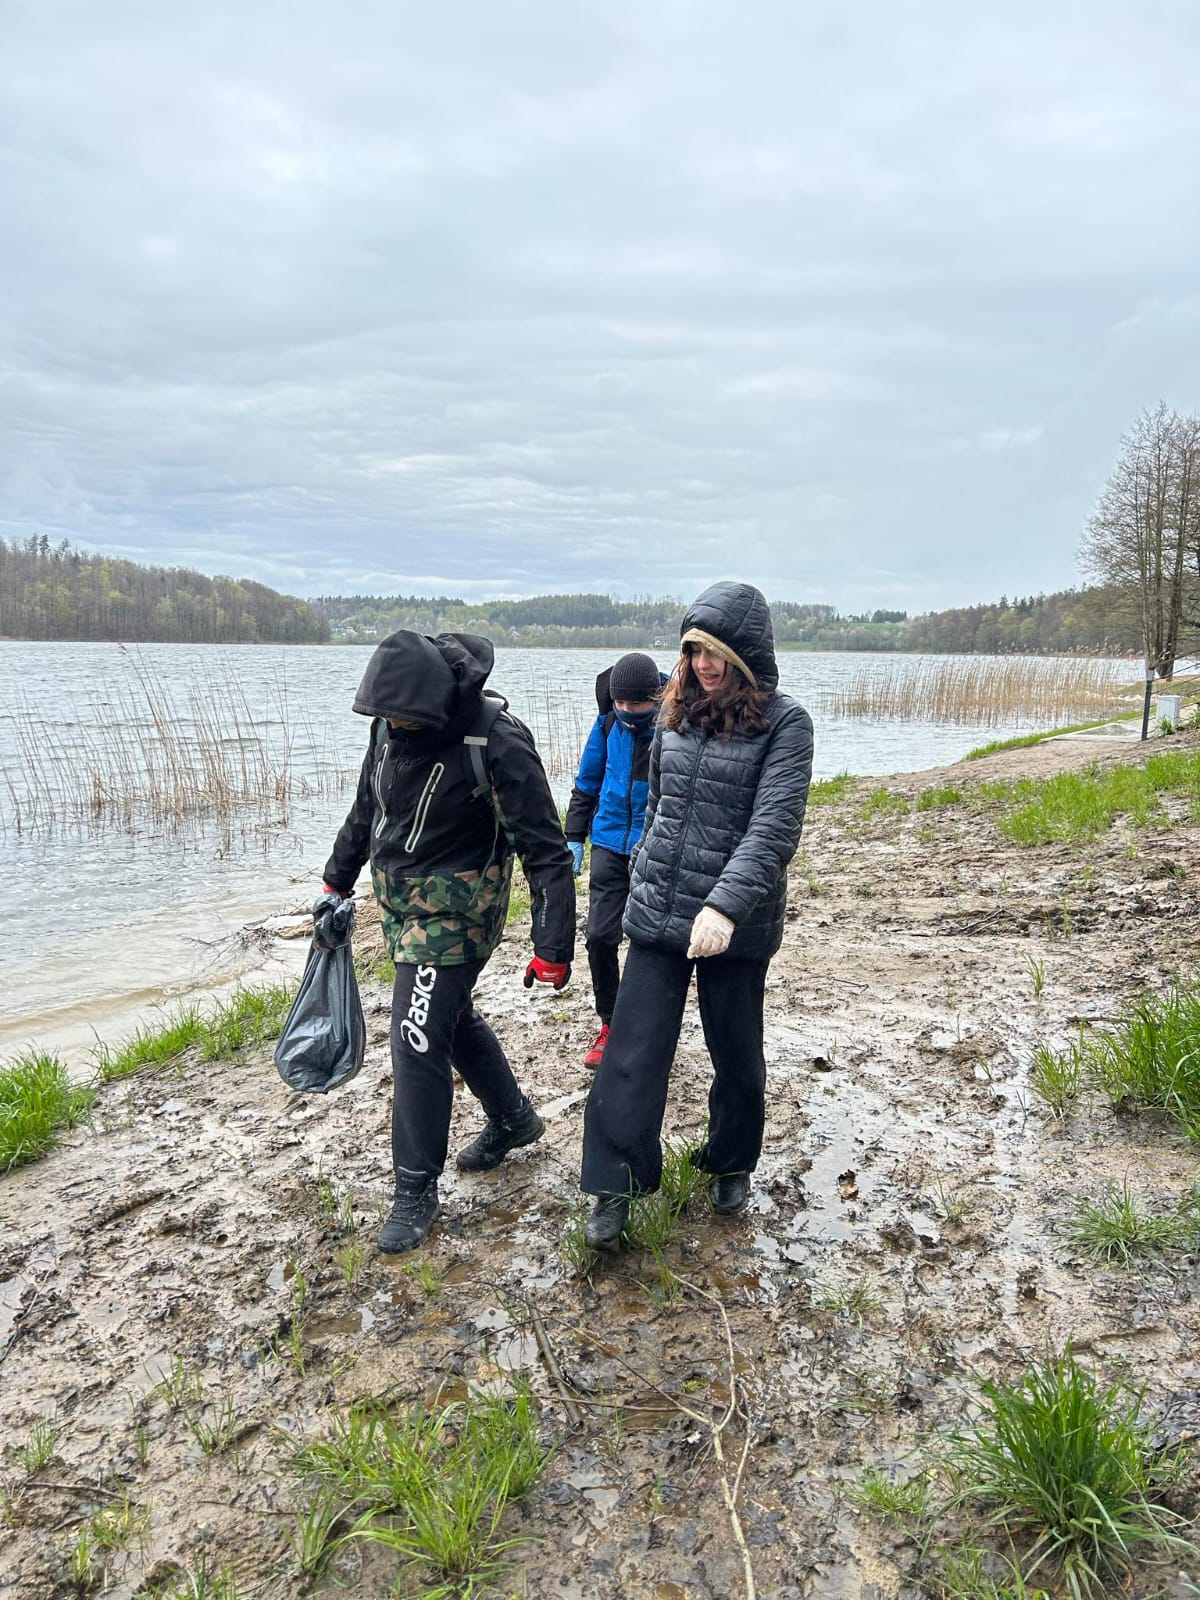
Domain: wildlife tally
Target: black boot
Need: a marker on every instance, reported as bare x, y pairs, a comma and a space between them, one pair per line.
604, 1227
414, 1210
499, 1136
730, 1193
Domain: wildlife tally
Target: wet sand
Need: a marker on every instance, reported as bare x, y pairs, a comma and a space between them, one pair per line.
905, 1154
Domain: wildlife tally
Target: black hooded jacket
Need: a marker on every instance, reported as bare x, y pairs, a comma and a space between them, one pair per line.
441, 858
724, 814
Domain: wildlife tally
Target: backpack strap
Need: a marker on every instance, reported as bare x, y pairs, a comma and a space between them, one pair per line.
475, 742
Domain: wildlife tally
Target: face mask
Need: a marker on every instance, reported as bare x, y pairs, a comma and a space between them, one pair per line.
635, 721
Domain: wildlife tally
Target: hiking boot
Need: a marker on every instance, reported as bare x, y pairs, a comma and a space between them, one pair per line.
606, 1224
729, 1193
595, 1053
499, 1136
414, 1210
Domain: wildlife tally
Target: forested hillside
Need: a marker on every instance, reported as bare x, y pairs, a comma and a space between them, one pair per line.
1099, 620
1094, 621
56, 592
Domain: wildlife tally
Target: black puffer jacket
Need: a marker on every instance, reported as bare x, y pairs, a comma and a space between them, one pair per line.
725, 814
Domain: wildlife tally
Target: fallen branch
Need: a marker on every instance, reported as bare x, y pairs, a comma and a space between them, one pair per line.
544, 1345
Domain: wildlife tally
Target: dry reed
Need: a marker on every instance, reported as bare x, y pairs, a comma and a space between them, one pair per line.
981, 690
141, 757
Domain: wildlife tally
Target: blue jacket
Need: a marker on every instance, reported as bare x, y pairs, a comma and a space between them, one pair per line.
611, 786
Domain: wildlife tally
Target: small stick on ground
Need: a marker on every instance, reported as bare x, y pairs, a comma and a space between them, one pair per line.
544, 1345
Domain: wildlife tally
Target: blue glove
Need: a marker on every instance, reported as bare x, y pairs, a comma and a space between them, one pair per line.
575, 846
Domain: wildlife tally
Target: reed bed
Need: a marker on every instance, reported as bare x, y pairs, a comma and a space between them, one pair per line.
153, 755
981, 690
560, 724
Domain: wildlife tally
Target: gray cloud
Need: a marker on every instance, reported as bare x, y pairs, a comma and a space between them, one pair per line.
503, 299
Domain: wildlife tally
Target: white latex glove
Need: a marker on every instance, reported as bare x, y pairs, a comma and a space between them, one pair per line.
711, 933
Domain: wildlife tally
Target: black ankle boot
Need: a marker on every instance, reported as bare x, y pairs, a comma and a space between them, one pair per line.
499, 1136
604, 1227
730, 1193
414, 1211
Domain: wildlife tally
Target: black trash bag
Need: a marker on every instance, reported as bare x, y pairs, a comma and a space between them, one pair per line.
325, 1035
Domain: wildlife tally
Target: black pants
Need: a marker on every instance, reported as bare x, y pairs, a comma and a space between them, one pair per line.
622, 1122
434, 1027
608, 890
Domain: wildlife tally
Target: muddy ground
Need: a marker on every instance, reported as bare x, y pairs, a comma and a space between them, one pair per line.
904, 1153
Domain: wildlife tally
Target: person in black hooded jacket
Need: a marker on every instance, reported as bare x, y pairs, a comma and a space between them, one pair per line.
451, 786
729, 775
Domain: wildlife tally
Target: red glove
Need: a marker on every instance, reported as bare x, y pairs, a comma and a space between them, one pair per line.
556, 972
342, 894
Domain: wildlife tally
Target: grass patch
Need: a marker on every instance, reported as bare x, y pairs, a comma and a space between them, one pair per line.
250, 1017
1117, 1229
378, 968
1151, 1060
37, 1104
944, 795
1057, 1079
431, 1484
885, 803
1025, 741
828, 791
1081, 805
858, 1305
903, 1504
654, 1218
39, 1449
1066, 1467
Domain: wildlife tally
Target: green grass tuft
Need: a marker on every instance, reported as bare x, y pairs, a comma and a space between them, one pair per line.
250, 1017
828, 791
1057, 1079
38, 1102
1059, 1461
150, 1048
933, 799
903, 1504
884, 803
1117, 1229
431, 1484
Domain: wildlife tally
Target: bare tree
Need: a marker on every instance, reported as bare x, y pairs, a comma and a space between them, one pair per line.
1144, 535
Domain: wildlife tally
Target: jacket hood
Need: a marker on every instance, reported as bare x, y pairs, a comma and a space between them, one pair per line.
434, 681
738, 615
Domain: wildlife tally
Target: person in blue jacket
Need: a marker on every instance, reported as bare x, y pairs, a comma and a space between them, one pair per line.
609, 802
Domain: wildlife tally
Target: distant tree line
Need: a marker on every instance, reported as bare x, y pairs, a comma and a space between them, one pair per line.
57, 592
1096, 620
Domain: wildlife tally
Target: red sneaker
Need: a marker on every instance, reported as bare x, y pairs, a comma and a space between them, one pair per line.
596, 1054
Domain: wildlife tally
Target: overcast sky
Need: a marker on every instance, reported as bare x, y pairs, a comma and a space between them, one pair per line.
480, 298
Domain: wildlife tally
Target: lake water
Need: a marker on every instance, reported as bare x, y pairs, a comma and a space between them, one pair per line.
115, 919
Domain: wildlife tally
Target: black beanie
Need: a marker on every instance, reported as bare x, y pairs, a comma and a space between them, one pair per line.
635, 677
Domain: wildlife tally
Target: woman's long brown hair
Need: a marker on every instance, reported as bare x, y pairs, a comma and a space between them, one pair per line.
735, 706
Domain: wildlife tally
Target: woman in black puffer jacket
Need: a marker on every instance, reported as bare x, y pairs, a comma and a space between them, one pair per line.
729, 774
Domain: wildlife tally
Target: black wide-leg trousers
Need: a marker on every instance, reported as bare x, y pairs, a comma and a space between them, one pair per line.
435, 1027
622, 1125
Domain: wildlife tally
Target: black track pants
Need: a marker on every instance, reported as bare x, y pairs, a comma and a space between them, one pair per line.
622, 1153
434, 1027
608, 890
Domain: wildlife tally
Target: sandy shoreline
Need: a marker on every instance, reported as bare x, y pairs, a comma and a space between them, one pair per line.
904, 1153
